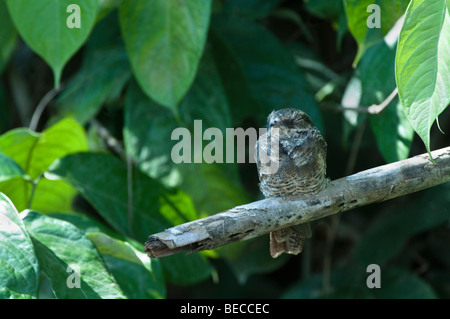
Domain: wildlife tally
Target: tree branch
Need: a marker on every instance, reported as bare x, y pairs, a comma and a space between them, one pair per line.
372, 109
257, 218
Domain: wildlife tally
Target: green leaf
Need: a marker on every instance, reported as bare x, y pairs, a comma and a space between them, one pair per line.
392, 131
206, 100
213, 187
251, 9
251, 257
234, 80
152, 209
120, 254
85, 223
87, 172
342, 282
164, 41
44, 27
387, 235
19, 275
401, 283
105, 61
58, 245
422, 64
276, 81
147, 135
34, 152
9, 168
8, 36
324, 9
358, 14
137, 275
330, 10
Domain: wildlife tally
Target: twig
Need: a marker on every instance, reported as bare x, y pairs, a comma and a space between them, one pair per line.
109, 139
42, 105
378, 108
373, 109
254, 219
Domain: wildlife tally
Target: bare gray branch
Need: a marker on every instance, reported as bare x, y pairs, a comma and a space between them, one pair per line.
254, 219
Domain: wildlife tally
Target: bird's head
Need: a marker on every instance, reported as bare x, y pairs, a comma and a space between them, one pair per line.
288, 118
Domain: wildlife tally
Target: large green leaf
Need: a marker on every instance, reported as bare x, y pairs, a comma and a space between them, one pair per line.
120, 254
401, 283
152, 208
8, 36
164, 41
19, 275
252, 9
387, 235
58, 245
43, 25
331, 10
147, 135
105, 61
234, 80
137, 275
391, 128
422, 64
346, 283
276, 81
138, 218
34, 152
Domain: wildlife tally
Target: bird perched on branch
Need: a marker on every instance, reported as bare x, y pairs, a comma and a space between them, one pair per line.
291, 160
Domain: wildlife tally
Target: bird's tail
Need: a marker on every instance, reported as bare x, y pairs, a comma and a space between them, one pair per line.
289, 240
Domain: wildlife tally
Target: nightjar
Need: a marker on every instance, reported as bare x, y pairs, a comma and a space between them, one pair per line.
291, 160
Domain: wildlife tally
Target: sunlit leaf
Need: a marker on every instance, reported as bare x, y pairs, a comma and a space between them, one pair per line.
59, 245
422, 64
34, 152
19, 275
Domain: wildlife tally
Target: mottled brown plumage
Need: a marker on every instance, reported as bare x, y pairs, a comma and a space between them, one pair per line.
294, 166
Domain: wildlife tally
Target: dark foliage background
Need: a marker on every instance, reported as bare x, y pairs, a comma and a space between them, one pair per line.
97, 173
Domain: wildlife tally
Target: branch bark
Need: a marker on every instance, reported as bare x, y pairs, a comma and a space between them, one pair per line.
257, 218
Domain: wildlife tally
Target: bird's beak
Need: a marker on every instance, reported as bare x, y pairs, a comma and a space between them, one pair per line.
272, 123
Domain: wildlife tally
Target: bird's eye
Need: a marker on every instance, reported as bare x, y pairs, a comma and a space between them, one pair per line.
274, 123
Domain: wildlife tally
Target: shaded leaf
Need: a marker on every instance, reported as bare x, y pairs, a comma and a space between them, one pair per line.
251, 9
276, 81
400, 283
147, 135
152, 209
126, 264
164, 41
105, 61
8, 36
391, 128
388, 234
